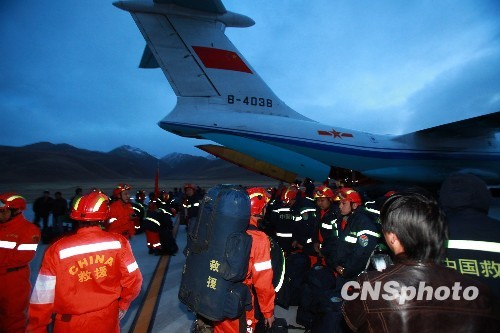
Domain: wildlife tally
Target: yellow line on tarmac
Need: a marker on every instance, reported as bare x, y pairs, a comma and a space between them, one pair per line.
144, 317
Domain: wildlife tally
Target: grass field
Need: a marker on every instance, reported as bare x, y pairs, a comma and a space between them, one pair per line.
31, 191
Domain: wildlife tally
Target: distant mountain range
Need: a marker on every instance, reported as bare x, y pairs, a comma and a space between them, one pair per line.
44, 161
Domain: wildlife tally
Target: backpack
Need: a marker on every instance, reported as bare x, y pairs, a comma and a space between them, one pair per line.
217, 255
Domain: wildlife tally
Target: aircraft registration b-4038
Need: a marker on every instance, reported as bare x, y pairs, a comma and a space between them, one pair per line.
221, 98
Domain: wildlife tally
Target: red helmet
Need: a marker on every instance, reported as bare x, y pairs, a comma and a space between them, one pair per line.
290, 194
348, 194
188, 185
258, 200
12, 200
324, 191
120, 188
91, 207
389, 194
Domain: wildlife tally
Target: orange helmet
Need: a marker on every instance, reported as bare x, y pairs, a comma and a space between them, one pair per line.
12, 200
120, 188
91, 207
324, 191
348, 194
290, 194
258, 200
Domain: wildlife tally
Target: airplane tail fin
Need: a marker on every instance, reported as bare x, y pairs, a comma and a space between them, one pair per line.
186, 39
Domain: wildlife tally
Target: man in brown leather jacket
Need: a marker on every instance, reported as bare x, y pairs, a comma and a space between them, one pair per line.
417, 294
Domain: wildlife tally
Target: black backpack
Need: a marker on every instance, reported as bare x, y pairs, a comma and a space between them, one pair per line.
217, 255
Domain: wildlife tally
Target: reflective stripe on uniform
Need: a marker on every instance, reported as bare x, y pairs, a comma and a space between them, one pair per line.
135, 208
282, 276
152, 220
350, 239
262, 266
132, 267
27, 247
279, 210
88, 248
309, 240
474, 245
367, 232
7, 245
284, 235
44, 290
113, 219
196, 204
326, 226
372, 210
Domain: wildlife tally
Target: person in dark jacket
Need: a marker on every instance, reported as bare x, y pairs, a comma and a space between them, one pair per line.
42, 208
473, 248
329, 218
417, 294
190, 204
358, 236
59, 212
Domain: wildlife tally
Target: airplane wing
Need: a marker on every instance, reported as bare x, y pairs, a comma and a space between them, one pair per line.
210, 6
250, 163
482, 126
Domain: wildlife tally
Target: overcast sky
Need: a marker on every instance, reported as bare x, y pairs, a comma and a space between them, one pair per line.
69, 69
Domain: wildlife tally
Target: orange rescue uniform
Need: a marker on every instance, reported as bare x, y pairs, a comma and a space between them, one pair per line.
18, 242
121, 220
85, 279
260, 277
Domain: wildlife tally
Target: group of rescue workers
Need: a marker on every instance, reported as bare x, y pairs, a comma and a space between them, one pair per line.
328, 237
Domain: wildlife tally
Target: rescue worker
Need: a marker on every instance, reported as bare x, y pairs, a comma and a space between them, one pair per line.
293, 221
158, 227
87, 279
122, 218
308, 184
474, 238
304, 216
152, 226
259, 277
328, 215
358, 237
190, 203
19, 239
166, 202
140, 210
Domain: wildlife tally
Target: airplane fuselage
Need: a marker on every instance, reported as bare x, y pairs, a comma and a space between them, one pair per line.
380, 157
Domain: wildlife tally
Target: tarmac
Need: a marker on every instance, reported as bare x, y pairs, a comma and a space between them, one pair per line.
157, 309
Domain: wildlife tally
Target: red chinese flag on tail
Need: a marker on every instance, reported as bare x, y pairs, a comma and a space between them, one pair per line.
221, 59
157, 187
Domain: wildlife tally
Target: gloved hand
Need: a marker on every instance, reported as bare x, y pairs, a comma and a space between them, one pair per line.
121, 314
269, 321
